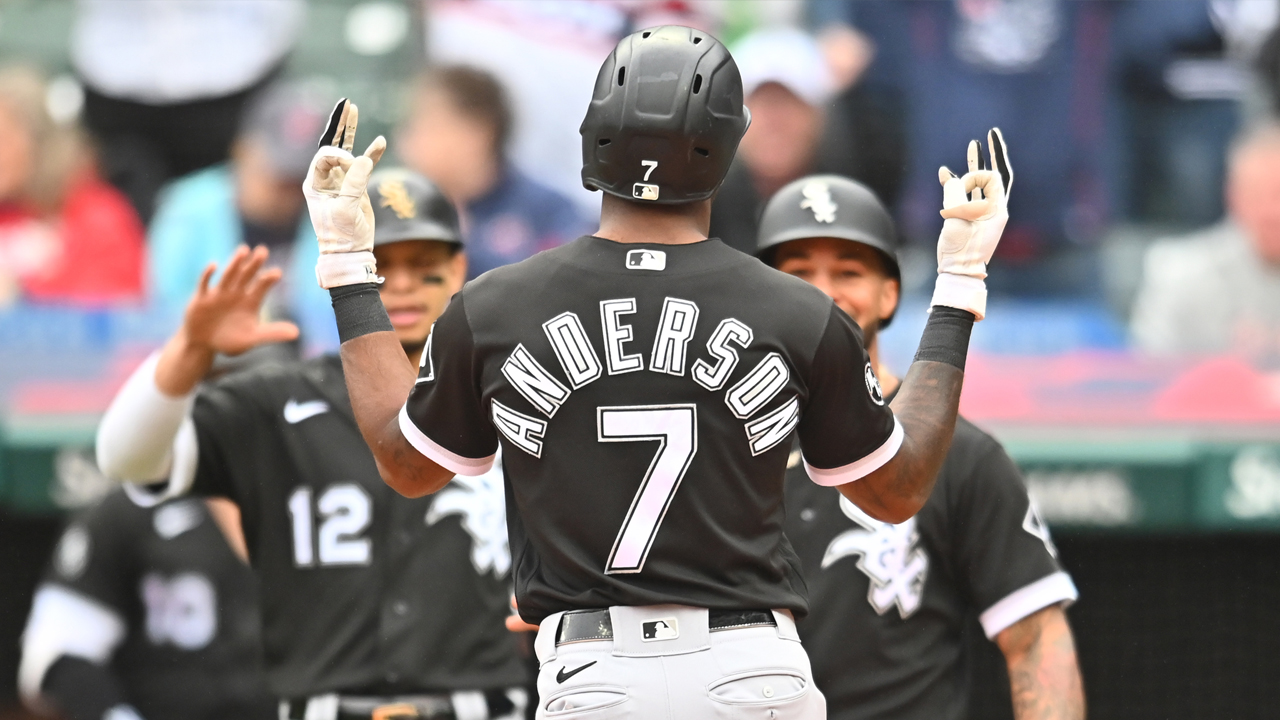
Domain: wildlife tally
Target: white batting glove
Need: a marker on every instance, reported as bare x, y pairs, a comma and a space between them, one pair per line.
338, 202
975, 208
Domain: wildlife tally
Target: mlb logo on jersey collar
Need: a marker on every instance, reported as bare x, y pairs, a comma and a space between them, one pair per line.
646, 260
660, 629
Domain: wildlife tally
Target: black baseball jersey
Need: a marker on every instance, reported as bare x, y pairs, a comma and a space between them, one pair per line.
888, 603
191, 648
362, 590
645, 397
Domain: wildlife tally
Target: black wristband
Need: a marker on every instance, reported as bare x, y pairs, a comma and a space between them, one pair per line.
359, 311
946, 336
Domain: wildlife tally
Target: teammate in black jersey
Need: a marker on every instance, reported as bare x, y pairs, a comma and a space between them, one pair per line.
888, 604
373, 605
145, 613
643, 385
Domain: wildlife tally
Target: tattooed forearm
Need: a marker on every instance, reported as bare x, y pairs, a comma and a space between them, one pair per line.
1044, 678
926, 406
405, 470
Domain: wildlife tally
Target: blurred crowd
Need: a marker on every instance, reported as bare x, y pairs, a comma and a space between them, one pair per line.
1144, 136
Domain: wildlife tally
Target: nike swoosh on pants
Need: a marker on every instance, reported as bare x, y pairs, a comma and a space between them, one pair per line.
562, 675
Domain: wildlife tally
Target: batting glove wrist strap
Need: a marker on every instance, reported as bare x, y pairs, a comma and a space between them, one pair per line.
348, 268
359, 311
946, 336
962, 292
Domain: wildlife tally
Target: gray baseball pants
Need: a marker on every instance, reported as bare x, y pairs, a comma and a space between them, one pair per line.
664, 663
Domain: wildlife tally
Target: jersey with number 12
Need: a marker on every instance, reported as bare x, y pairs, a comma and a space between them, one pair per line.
645, 397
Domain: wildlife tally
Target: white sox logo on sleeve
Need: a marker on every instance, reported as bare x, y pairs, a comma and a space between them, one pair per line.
427, 366
873, 385
1033, 524
581, 364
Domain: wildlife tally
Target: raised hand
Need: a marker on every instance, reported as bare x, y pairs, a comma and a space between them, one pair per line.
225, 317
983, 192
975, 208
338, 202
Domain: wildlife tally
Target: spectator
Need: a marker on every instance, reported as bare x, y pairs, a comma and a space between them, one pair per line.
1181, 72
1263, 101
65, 236
1037, 69
167, 82
1218, 290
456, 134
255, 199
787, 86
524, 43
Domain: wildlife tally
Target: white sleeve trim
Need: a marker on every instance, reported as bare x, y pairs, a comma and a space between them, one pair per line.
459, 465
135, 441
1055, 588
859, 468
64, 622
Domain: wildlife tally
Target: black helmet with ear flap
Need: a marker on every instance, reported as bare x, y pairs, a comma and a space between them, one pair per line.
829, 206
665, 119
408, 206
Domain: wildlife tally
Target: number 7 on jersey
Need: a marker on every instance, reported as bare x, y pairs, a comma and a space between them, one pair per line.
675, 427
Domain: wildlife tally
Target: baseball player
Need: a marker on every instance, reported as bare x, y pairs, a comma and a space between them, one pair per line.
374, 606
145, 611
643, 385
888, 604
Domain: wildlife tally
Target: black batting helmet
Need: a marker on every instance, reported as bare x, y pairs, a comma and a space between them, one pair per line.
820, 206
665, 119
408, 206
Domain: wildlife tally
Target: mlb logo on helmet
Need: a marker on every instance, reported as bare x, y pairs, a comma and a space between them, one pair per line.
660, 629
646, 260
644, 191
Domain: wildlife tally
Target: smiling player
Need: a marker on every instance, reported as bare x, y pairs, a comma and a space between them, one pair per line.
889, 602
374, 606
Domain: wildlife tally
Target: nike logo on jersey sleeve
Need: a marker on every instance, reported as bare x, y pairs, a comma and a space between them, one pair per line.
295, 412
562, 675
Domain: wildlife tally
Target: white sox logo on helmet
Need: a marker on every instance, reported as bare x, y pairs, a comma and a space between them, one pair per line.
817, 198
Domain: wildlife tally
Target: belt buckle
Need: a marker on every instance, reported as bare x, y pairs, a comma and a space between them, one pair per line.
395, 711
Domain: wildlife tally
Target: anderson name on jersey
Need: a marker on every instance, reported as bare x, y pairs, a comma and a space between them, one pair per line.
644, 397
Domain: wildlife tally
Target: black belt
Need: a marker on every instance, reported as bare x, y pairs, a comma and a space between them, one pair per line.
582, 625
402, 707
